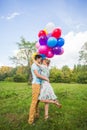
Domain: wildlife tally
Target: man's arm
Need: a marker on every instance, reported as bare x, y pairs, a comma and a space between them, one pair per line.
40, 76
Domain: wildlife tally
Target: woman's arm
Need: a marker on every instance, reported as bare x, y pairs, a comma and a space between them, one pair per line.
40, 76
37, 63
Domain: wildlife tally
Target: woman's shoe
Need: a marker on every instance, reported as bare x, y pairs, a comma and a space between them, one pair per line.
58, 104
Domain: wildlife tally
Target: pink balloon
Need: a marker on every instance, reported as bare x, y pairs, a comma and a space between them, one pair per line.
50, 54
43, 49
37, 45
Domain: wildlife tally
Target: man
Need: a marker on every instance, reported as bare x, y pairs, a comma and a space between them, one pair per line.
37, 79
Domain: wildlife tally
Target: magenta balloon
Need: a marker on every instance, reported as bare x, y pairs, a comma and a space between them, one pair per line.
50, 54
43, 49
49, 48
43, 40
37, 45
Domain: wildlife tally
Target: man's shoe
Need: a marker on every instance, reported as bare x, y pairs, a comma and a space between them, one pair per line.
30, 122
37, 115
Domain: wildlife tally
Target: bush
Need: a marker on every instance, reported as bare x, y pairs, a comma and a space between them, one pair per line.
3, 76
10, 79
55, 75
82, 78
66, 78
19, 78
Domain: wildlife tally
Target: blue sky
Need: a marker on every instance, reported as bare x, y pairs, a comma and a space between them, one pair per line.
25, 18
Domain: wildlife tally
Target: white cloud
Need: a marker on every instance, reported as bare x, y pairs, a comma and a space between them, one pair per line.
73, 44
13, 15
10, 16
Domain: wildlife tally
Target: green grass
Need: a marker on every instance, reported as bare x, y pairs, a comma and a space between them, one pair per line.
15, 99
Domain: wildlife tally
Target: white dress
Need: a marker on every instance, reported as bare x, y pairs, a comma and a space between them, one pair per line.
46, 91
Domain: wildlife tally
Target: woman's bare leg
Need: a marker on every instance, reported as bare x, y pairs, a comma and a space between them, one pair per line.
48, 101
56, 102
46, 110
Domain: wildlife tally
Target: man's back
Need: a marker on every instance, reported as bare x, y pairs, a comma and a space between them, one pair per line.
35, 80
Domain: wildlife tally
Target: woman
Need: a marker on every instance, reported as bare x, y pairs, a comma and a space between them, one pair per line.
47, 94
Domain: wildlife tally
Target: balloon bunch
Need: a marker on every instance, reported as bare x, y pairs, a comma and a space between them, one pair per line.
50, 41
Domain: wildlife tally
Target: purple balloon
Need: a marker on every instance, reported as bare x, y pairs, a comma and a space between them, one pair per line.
62, 51
43, 40
57, 50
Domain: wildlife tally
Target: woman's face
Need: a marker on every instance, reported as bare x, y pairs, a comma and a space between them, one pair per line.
44, 62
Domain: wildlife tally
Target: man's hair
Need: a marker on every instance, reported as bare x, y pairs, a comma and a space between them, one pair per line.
37, 56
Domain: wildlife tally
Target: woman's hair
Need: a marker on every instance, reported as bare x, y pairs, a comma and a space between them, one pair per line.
47, 61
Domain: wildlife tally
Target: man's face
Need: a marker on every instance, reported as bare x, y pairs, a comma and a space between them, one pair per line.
39, 60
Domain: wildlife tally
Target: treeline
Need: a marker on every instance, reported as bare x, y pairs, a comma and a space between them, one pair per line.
64, 75
17, 74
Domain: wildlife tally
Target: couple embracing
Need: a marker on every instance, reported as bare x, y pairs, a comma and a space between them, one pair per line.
42, 90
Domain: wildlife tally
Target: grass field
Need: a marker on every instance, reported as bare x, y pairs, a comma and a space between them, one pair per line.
15, 99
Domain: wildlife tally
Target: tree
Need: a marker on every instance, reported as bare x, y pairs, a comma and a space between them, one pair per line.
55, 75
24, 54
83, 54
74, 73
80, 73
4, 72
82, 77
66, 74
